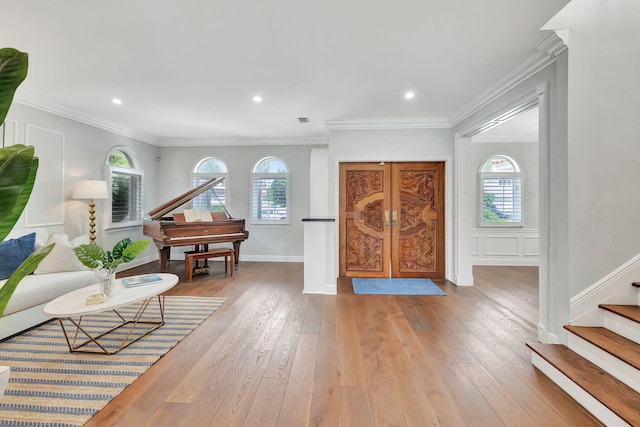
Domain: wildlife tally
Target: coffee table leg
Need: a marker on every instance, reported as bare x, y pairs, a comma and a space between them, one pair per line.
129, 338
73, 347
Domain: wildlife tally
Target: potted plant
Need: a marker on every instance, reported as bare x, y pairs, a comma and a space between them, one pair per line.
94, 257
18, 167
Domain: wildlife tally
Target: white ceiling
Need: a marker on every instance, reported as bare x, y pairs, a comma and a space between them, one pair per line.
187, 70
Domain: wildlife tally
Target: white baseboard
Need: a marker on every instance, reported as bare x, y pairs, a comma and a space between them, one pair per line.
137, 262
272, 258
252, 258
327, 290
510, 262
547, 337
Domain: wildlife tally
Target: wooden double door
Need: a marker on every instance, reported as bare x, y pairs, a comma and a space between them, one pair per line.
392, 219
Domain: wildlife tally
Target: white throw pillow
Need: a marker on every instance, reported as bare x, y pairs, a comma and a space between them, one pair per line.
61, 258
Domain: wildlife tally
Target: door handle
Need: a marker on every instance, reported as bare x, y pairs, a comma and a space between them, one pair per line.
386, 218
394, 217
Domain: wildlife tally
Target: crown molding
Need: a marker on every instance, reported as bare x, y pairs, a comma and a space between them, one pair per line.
544, 54
368, 124
195, 142
86, 119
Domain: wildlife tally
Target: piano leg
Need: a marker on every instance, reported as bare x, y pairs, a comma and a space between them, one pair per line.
165, 255
236, 248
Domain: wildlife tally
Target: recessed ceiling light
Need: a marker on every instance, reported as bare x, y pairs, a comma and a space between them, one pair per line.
257, 99
409, 95
117, 101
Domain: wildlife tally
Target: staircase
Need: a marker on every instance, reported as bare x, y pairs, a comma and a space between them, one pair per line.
600, 368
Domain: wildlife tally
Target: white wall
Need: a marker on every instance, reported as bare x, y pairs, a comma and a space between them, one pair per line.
392, 145
604, 154
79, 151
266, 242
507, 245
603, 128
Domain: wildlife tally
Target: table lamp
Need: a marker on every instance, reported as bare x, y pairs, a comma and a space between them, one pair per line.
92, 190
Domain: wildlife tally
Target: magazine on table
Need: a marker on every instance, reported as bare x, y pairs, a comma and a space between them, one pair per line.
140, 280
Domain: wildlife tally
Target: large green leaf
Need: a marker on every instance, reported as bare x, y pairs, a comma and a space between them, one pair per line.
18, 168
120, 247
26, 268
89, 255
13, 70
135, 249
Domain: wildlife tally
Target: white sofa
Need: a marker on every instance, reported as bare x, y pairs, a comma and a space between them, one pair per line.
24, 309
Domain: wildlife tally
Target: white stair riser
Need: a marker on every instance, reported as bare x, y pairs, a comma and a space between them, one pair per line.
622, 326
616, 367
591, 404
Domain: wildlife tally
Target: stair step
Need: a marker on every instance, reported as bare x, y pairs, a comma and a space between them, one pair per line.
631, 312
624, 349
608, 390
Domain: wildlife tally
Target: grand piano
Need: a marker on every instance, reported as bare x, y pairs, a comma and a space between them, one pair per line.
168, 231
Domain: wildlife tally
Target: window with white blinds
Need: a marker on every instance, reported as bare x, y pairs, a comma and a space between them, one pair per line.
126, 203
125, 208
215, 200
270, 192
501, 189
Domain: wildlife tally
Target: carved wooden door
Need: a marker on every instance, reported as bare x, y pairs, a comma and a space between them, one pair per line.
392, 219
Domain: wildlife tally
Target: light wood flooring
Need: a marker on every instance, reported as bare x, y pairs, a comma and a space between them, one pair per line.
272, 356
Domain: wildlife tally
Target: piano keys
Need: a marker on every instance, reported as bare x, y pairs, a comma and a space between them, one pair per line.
169, 231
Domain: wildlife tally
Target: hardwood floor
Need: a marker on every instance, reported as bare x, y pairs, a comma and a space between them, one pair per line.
272, 356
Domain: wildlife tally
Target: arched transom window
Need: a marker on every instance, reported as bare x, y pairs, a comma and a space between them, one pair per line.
501, 190
270, 191
218, 199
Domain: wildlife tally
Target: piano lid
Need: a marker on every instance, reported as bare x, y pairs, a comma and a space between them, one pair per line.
164, 209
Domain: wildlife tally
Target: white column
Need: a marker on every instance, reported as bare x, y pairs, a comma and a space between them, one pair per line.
462, 274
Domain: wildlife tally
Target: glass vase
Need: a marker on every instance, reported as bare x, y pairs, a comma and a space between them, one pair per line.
107, 282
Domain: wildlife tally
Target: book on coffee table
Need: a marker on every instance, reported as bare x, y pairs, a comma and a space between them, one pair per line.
140, 280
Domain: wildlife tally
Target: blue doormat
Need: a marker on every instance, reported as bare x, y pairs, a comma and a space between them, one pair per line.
395, 287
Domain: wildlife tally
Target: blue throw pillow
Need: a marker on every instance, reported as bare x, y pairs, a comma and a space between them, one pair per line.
13, 252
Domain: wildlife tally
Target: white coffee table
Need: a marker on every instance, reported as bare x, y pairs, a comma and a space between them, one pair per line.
73, 306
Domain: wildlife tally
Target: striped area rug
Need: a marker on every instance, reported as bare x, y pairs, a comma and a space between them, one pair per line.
49, 386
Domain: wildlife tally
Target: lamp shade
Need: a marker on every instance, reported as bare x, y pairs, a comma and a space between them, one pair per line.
90, 189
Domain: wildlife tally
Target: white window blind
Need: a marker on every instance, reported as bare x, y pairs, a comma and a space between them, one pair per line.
126, 203
270, 192
502, 199
269, 199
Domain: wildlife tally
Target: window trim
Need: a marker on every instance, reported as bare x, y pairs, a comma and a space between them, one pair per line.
498, 175
272, 175
109, 171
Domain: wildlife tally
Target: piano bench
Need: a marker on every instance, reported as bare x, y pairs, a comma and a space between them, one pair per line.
191, 256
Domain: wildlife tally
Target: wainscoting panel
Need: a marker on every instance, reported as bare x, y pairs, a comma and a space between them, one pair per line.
500, 245
505, 246
46, 205
530, 246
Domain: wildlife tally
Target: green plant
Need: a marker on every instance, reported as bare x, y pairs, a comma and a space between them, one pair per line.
93, 256
18, 168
